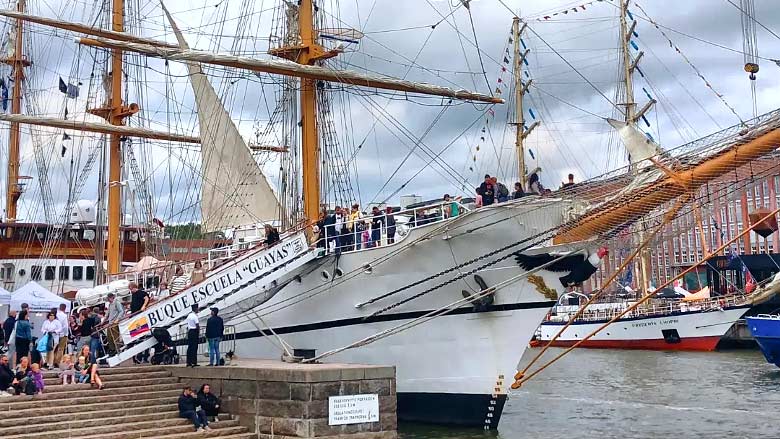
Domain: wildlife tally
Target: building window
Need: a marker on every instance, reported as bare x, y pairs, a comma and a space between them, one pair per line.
78, 273
64, 273
35, 272
49, 274
91, 273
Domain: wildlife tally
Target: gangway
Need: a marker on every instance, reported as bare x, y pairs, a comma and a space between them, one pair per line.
241, 284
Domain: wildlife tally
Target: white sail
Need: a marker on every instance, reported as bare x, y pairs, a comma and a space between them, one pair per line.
234, 190
639, 146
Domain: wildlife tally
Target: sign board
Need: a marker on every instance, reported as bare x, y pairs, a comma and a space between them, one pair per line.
353, 409
217, 285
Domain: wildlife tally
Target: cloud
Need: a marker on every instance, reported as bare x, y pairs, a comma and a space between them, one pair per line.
376, 132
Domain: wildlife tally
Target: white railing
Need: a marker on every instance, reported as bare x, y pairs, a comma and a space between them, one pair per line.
405, 220
656, 309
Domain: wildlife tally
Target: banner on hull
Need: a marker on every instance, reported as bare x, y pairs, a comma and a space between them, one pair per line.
216, 287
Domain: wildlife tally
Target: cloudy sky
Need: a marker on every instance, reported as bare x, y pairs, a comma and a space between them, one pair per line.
387, 138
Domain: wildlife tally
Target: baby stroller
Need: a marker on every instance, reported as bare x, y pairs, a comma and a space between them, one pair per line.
164, 351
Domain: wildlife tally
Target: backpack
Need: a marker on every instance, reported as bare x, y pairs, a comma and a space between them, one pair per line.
29, 386
502, 190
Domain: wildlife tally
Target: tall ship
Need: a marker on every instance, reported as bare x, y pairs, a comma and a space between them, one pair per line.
444, 298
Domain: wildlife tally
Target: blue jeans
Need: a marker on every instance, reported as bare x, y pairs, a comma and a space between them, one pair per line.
94, 346
214, 351
198, 418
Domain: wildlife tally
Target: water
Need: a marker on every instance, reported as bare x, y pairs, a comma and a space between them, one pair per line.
639, 394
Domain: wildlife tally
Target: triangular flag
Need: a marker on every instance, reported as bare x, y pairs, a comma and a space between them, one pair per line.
65, 136
506, 60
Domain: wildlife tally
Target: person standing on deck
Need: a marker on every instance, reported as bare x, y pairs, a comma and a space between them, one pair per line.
518, 192
377, 220
215, 328
198, 274
534, 185
354, 219
390, 223
568, 184
487, 191
179, 283
193, 334
502, 193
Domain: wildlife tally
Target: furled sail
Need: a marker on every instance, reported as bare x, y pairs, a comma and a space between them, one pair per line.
234, 190
640, 148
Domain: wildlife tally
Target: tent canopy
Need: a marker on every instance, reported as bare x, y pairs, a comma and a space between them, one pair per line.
5, 297
39, 298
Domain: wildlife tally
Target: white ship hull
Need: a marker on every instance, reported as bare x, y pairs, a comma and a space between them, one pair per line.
453, 369
691, 330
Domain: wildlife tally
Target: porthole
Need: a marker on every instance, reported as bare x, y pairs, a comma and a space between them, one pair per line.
324, 275
368, 269
338, 272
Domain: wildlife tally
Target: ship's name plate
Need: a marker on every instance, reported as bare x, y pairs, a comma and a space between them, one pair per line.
353, 409
655, 323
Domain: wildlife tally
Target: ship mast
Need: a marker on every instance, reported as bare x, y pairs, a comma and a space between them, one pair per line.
520, 89
115, 113
631, 117
18, 62
307, 51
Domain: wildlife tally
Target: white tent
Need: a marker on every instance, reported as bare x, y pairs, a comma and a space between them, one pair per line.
39, 298
5, 297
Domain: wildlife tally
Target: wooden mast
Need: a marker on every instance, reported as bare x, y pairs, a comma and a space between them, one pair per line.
115, 113
519, 93
18, 62
309, 53
630, 110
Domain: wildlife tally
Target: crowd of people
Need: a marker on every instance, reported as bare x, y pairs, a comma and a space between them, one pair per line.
28, 355
348, 229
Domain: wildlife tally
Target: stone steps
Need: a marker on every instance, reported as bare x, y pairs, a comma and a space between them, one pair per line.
86, 395
137, 402
142, 429
141, 400
106, 371
55, 380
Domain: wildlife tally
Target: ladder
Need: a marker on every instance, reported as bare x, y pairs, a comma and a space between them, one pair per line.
239, 285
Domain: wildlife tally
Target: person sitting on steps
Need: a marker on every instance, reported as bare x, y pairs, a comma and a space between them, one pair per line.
209, 402
188, 409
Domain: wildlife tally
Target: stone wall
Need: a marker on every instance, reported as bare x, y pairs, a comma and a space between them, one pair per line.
281, 400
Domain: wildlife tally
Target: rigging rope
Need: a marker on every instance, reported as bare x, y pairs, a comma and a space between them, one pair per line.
519, 381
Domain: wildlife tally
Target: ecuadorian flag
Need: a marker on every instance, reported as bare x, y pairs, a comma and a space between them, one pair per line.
138, 326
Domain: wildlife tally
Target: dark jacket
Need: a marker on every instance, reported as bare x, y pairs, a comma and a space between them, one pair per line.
209, 402
488, 192
215, 327
24, 329
187, 404
6, 377
88, 326
8, 327
272, 238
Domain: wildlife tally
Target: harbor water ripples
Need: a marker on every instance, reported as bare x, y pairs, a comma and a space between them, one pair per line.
639, 394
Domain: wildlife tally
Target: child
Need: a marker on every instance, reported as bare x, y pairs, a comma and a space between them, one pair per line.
67, 374
37, 376
81, 368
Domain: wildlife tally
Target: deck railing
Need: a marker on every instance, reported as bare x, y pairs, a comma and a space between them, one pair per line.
655, 309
